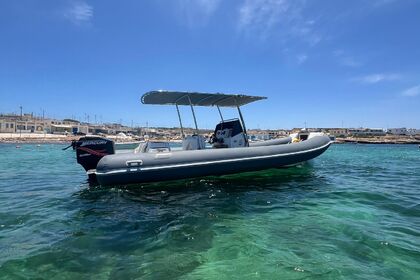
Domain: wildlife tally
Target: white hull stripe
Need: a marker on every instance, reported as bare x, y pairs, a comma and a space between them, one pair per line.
213, 161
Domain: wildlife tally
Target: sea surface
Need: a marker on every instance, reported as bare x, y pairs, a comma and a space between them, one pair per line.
352, 213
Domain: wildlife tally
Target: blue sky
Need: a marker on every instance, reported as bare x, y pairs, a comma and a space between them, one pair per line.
328, 63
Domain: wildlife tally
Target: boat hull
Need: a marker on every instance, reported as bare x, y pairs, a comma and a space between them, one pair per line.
133, 168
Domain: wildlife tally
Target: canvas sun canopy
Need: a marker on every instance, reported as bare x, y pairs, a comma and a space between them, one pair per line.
161, 97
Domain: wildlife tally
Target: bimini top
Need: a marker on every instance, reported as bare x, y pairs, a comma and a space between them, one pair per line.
162, 97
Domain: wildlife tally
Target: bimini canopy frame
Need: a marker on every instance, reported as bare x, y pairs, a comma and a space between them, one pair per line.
164, 97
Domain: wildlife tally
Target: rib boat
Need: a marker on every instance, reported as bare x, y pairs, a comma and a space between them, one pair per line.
227, 151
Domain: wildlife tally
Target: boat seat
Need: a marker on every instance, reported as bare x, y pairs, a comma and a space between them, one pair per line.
153, 147
194, 142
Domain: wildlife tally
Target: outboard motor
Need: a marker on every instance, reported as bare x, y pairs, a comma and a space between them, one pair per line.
90, 149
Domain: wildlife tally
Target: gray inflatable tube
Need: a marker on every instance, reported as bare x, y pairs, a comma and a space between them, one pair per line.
132, 168
280, 141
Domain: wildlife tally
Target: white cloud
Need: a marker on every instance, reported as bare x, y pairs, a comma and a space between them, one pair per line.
376, 78
79, 12
301, 58
350, 61
261, 12
413, 91
345, 59
283, 17
196, 13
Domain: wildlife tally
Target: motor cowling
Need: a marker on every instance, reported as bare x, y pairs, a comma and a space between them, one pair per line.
90, 149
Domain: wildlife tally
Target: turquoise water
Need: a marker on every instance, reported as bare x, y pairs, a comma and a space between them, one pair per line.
352, 213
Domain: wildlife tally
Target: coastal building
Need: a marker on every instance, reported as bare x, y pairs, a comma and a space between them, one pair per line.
413, 131
363, 132
259, 136
295, 130
403, 131
100, 129
282, 133
7, 126
11, 123
338, 132
27, 123
397, 131
61, 129
315, 129
114, 128
277, 133
266, 134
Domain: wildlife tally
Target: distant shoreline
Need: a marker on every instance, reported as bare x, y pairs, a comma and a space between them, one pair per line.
32, 138
35, 138
378, 140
